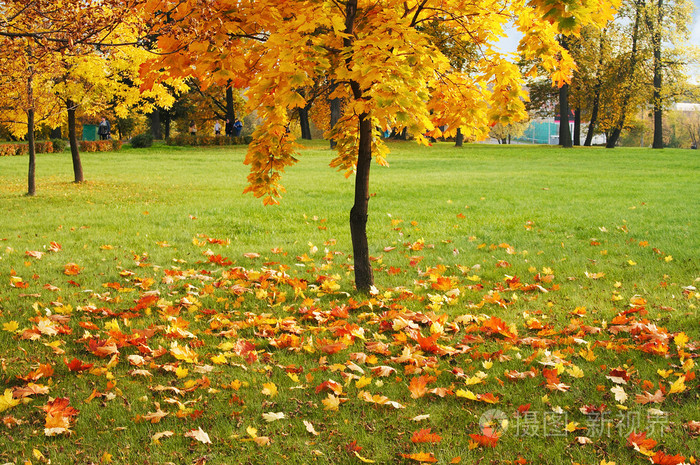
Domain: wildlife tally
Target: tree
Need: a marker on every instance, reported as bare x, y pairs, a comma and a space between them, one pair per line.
385, 67
666, 21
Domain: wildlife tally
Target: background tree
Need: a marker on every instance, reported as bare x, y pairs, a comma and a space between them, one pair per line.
36, 35
667, 24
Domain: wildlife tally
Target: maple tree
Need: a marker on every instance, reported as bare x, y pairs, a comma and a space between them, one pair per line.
387, 70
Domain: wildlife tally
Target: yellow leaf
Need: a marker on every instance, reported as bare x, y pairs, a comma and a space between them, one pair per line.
10, 326
218, 359
7, 401
269, 389
181, 372
467, 394
678, 385
681, 340
362, 458
331, 402
575, 371
571, 427
664, 373
362, 382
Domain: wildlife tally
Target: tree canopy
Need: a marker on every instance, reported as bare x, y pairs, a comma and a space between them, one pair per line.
379, 57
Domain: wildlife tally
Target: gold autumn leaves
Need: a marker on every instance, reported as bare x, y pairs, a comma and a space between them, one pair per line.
221, 329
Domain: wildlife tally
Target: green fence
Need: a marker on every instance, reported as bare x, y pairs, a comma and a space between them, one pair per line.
90, 132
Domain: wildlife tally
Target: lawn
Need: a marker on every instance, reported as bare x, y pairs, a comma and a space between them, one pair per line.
532, 305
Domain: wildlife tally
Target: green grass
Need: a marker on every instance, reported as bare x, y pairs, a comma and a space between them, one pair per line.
629, 216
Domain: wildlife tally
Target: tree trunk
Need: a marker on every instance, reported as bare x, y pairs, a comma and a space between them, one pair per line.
364, 278
167, 120
658, 109
459, 138
564, 131
304, 123
577, 126
73, 140
156, 129
31, 178
335, 115
230, 110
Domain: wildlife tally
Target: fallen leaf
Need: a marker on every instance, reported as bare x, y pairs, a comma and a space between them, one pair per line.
198, 435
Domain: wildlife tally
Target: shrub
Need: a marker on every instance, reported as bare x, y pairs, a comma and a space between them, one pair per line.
99, 145
116, 144
189, 140
22, 148
8, 150
43, 147
87, 146
142, 140
59, 145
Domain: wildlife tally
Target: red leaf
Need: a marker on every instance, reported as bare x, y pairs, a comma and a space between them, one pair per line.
424, 435
664, 459
77, 365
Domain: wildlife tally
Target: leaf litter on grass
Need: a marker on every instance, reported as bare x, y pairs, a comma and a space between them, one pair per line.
258, 337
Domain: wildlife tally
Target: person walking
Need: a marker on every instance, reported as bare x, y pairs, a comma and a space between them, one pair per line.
217, 128
104, 129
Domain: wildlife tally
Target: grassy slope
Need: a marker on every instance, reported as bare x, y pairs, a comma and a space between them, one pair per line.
552, 206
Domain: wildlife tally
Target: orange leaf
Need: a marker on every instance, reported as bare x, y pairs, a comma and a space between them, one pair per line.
424, 435
418, 385
484, 440
664, 459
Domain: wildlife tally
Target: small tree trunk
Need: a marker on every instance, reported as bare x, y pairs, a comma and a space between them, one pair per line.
564, 131
156, 129
594, 119
658, 109
73, 140
304, 123
31, 178
335, 115
596, 92
167, 120
459, 138
364, 278
577, 126
230, 110
612, 139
